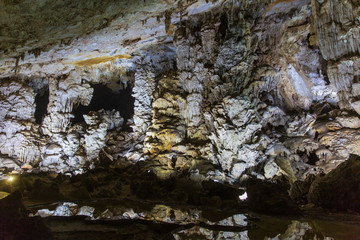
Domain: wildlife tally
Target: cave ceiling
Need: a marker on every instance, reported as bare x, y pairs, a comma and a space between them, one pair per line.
34, 26
77, 33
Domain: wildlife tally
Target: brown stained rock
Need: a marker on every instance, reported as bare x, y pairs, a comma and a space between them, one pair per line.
300, 189
340, 188
343, 142
337, 27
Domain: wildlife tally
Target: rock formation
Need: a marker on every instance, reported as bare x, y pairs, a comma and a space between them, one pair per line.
221, 90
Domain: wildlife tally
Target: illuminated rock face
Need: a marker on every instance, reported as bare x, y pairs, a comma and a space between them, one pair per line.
220, 89
337, 25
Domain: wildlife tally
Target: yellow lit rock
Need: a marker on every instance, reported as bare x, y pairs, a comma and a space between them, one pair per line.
4, 195
98, 60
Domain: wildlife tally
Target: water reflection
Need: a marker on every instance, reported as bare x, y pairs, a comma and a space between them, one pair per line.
299, 230
274, 228
203, 233
195, 223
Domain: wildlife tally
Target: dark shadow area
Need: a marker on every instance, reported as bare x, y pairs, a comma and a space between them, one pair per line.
136, 181
313, 158
223, 26
105, 98
42, 101
15, 223
278, 204
310, 159
356, 79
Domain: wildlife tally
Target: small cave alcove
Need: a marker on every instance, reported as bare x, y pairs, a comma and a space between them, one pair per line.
107, 99
224, 24
41, 101
312, 158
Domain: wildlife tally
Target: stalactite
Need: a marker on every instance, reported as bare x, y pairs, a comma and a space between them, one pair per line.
35, 51
167, 15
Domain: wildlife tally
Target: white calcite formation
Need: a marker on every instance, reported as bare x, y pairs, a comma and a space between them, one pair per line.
67, 209
235, 125
19, 134
222, 89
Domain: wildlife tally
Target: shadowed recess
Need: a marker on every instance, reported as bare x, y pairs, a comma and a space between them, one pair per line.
105, 98
42, 101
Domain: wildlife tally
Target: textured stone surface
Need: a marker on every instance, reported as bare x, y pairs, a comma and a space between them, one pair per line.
337, 34
222, 89
336, 190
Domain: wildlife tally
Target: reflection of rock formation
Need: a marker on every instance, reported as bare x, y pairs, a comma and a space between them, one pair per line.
221, 90
232, 226
300, 230
203, 233
189, 223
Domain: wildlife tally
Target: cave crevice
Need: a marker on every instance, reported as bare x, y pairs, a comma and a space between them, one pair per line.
107, 99
41, 101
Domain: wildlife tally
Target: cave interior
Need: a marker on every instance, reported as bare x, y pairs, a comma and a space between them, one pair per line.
197, 119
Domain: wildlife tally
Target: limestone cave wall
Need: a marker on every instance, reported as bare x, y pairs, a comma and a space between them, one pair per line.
220, 90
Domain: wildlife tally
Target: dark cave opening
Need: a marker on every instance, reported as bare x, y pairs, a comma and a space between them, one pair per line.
316, 135
223, 26
312, 158
41, 101
356, 79
107, 99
